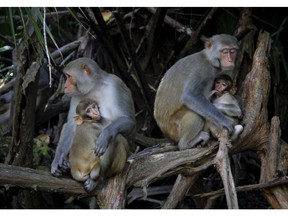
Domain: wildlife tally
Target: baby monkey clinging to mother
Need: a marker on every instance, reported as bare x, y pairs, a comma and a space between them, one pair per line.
84, 164
222, 97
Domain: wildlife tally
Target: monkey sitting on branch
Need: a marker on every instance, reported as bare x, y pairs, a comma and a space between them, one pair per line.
222, 97
182, 103
85, 165
85, 79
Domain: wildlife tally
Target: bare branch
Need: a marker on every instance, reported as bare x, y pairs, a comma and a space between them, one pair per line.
273, 183
37, 180
222, 163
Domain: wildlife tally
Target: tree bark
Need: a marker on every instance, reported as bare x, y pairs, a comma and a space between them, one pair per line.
270, 157
20, 149
222, 163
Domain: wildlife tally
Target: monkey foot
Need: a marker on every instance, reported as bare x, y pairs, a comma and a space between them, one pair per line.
65, 166
201, 140
208, 143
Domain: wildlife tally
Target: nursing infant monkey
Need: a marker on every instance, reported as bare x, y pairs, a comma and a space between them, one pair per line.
182, 106
222, 97
85, 166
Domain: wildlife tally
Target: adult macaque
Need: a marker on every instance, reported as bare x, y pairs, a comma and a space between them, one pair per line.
85, 166
223, 99
182, 105
85, 79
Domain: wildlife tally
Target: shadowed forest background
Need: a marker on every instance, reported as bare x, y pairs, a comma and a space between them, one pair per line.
139, 45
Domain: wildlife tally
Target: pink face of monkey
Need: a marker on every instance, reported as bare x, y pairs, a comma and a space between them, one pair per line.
227, 57
70, 83
93, 112
220, 86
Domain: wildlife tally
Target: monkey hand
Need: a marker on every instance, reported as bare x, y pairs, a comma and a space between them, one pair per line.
102, 142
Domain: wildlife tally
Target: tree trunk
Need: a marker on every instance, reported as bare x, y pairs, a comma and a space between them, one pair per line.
29, 58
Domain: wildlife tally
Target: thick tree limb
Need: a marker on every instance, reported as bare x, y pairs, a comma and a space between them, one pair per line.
255, 98
277, 196
222, 163
173, 23
141, 171
66, 49
181, 186
37, 180
146, 171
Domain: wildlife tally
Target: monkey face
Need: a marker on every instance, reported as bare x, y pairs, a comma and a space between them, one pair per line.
70, 84
228, 57
220, 87
93, 112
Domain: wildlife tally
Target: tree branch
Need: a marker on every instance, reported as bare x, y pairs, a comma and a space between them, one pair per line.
173, 23
273, 183
222, 163
147, 95
37, 180
142, 167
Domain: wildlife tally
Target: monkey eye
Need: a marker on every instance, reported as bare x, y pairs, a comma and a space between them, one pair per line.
226, 51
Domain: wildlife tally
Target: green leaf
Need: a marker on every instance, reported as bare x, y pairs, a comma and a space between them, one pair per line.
35, 26
12, 24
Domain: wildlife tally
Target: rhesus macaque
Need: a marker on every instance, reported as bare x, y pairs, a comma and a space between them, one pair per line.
182, 105
85, 79
223, 99
87, 109
85, 166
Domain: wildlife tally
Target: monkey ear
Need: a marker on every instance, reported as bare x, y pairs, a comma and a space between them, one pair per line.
87, 69
207, 41
78, 119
